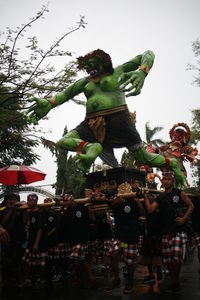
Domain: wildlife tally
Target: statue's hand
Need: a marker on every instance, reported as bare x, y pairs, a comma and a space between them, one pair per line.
132, 81
38, 110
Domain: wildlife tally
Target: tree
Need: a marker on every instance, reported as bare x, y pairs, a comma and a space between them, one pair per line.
196, 50
15, 147
195, 138
24, 72
195, 128
76, 180
150, 133
69, 177
196, 172
127, 159
35, 74
61, 160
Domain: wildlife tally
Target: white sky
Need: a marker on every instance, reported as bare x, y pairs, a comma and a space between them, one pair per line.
124, 29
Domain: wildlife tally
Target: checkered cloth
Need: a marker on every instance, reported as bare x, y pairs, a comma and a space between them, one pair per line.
100, 248
109, 246
53, 253
79, 251
68, 249
129, 252
140, 242
34, 259
93, 248
172, 247
61, 250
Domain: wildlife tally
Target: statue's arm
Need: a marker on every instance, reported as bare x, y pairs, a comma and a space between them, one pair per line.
134, 72
41, 107
73, 90
142, 62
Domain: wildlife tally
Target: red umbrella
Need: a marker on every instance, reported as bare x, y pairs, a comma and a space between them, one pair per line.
16, 175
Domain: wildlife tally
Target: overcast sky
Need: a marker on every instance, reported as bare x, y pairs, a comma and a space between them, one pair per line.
124, 29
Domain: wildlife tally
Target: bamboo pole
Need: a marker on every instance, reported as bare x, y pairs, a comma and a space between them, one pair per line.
40, 205
92, 200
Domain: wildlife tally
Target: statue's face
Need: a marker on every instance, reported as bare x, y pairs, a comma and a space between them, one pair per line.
179, 136
93, 67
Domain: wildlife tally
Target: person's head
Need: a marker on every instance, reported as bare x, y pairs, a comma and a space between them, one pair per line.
32, 200
10, 199
96, 63
68, 198
48, 207
149, 169
48, 200
168, 179
110, 194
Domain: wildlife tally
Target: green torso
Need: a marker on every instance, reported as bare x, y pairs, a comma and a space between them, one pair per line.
104, 94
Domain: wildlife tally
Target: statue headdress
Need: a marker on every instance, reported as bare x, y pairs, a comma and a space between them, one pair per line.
97, 54
182, 127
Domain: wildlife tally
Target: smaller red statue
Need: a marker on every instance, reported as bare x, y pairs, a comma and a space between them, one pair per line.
179, 146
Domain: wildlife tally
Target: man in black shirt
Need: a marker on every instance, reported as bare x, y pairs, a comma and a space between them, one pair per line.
196, 220
78, 218
126, 214
171, 206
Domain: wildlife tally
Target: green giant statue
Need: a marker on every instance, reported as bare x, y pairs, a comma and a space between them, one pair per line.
107, 124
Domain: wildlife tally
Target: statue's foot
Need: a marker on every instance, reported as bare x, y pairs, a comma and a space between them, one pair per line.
178, 174
85, 161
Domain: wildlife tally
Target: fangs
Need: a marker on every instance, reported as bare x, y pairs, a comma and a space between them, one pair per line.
94, 72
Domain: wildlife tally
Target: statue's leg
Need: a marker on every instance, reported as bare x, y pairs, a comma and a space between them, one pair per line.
87, 152
158, 160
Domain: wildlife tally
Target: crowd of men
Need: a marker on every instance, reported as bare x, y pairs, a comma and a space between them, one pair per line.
41, 243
